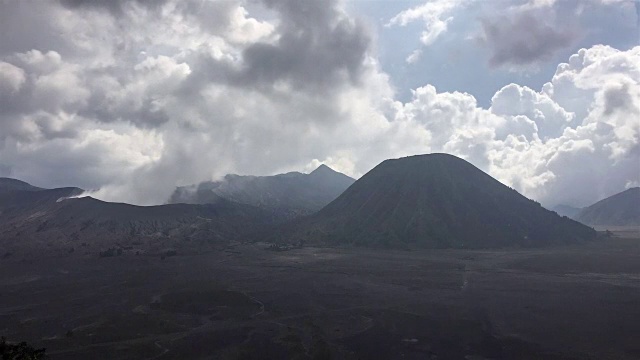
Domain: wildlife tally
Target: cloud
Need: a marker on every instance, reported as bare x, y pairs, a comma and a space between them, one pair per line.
116, 7
549, 118
435, 15
170, 95
529, 34
593, 149
187, 91
414, 56
574, 142
304, 56
523, 40
11, 79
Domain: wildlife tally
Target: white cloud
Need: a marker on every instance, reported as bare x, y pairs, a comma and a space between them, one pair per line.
435, 15
592, 105
180, 91
514, 101
11, 79
216, 90
574, 142
414, 56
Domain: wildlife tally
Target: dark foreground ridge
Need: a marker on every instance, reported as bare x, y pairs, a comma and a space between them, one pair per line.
433, 201
621, 209
55, 221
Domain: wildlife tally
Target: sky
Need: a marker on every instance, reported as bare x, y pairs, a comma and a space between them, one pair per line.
131, 98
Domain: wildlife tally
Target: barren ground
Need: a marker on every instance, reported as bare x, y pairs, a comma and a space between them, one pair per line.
579, 302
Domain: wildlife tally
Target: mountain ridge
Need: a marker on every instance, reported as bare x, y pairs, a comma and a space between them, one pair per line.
10, 184
433, 201
566, 210
56, 221
287, 196
423, 201
621, 209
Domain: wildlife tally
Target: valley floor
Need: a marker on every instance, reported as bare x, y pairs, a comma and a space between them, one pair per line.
578, 302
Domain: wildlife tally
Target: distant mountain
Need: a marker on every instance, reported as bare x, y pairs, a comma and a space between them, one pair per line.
622, 209
433, 201
566, 210
18, 196
8, 184
47, 220
286, 196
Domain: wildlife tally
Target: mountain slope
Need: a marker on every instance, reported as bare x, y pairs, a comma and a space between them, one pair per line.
622, 209
18, 197
566, 210
95, 225
433, 201
286, 196
52, 220
8, 185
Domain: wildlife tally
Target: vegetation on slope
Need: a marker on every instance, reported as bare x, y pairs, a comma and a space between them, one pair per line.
20, 351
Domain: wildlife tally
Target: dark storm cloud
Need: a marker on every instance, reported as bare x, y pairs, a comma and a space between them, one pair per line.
618, 98
523, 40
141, 112
89, 167
22, 28
214, 16
143, 116
318, 49
5, 170
307, 58
113, 6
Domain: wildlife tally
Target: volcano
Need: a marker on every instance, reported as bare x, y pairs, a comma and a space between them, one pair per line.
433, 201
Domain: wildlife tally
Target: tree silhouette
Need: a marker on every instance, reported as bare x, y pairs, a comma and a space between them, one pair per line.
20, 351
